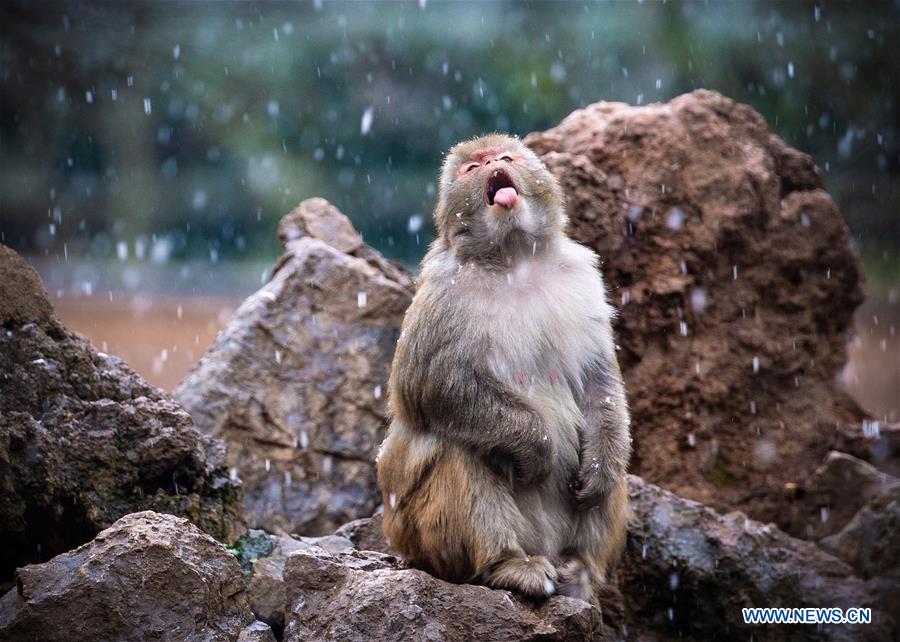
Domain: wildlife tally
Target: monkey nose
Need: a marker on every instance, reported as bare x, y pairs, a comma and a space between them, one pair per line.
506, 197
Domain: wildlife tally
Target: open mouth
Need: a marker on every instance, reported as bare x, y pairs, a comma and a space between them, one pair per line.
500, 190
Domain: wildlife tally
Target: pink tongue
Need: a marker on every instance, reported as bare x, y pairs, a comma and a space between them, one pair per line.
506, 197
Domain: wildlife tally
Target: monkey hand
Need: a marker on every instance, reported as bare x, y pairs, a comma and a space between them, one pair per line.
592, 485
533, 460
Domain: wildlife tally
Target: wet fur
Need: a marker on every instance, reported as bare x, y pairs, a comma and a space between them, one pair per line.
506, 454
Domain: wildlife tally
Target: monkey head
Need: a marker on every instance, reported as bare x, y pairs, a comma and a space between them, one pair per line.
497, 201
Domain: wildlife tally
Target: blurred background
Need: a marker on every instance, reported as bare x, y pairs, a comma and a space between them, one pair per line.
149, 149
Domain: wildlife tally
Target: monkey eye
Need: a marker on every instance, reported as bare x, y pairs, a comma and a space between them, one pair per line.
506, 158
469, 167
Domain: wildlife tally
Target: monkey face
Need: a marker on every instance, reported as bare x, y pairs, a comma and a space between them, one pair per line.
497, 200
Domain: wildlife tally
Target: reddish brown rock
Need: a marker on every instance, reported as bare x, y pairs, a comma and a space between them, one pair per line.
736, 280
296, 383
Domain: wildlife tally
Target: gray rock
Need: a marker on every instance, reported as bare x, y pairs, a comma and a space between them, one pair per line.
84, 440
366, 534
319, 219
688, 571
295, 384
370, 596
257, 632
833, 494
147, 577
266, 589
870, 542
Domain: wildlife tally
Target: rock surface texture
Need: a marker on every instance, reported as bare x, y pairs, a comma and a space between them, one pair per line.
870, 543
688, 571
268, 596
736, 281
835, 493
84, 440
295, 383
686, 574
147, 577
364, 595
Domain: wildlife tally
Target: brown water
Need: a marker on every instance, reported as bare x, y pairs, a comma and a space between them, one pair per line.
163, 336
873, 372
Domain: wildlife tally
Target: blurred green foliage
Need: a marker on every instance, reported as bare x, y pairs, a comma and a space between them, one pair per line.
158, 131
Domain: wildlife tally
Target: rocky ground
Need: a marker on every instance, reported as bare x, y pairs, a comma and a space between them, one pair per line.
125, 519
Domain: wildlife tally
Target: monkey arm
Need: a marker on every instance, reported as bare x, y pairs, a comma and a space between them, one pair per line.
605, 436
436, 385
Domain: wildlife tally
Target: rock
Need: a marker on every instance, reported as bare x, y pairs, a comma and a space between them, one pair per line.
363, 595
147, 577
22, 295
873, 441
257, 632
870, 542
366, 534
736, 280
319, 219
266, 590
84, 440
295, 383
834, 493
688, 571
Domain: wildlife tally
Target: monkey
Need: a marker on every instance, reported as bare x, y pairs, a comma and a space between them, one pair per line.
505, 456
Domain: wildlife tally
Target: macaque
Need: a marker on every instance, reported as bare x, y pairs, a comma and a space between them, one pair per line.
509, 439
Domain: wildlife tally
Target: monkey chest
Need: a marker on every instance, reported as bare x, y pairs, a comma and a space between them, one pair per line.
539, 341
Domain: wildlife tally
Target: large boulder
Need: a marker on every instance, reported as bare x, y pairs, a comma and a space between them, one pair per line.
295, 384
147, 577
736, 280
688, 571
84, 440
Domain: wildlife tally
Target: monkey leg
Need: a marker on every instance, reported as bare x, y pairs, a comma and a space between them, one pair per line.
598, 543
460, 521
